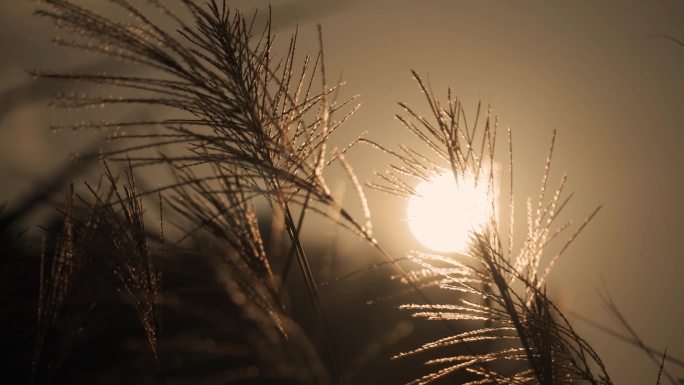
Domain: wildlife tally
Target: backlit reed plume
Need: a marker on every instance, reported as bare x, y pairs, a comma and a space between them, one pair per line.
105, 235
246, 126
499, 292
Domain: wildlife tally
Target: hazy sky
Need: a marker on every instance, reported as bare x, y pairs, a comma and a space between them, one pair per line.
585, 68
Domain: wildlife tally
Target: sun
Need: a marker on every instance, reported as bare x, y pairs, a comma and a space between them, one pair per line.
444, 213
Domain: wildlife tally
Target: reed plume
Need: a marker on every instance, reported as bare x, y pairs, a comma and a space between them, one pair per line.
529, 339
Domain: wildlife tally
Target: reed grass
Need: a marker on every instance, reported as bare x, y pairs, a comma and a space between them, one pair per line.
521, 321
248, 127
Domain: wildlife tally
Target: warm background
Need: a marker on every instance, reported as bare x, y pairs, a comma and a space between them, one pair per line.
589, 69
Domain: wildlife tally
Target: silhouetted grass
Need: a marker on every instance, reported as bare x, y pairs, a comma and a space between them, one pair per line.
178, 284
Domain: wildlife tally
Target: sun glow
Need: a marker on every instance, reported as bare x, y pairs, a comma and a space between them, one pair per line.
444, 213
